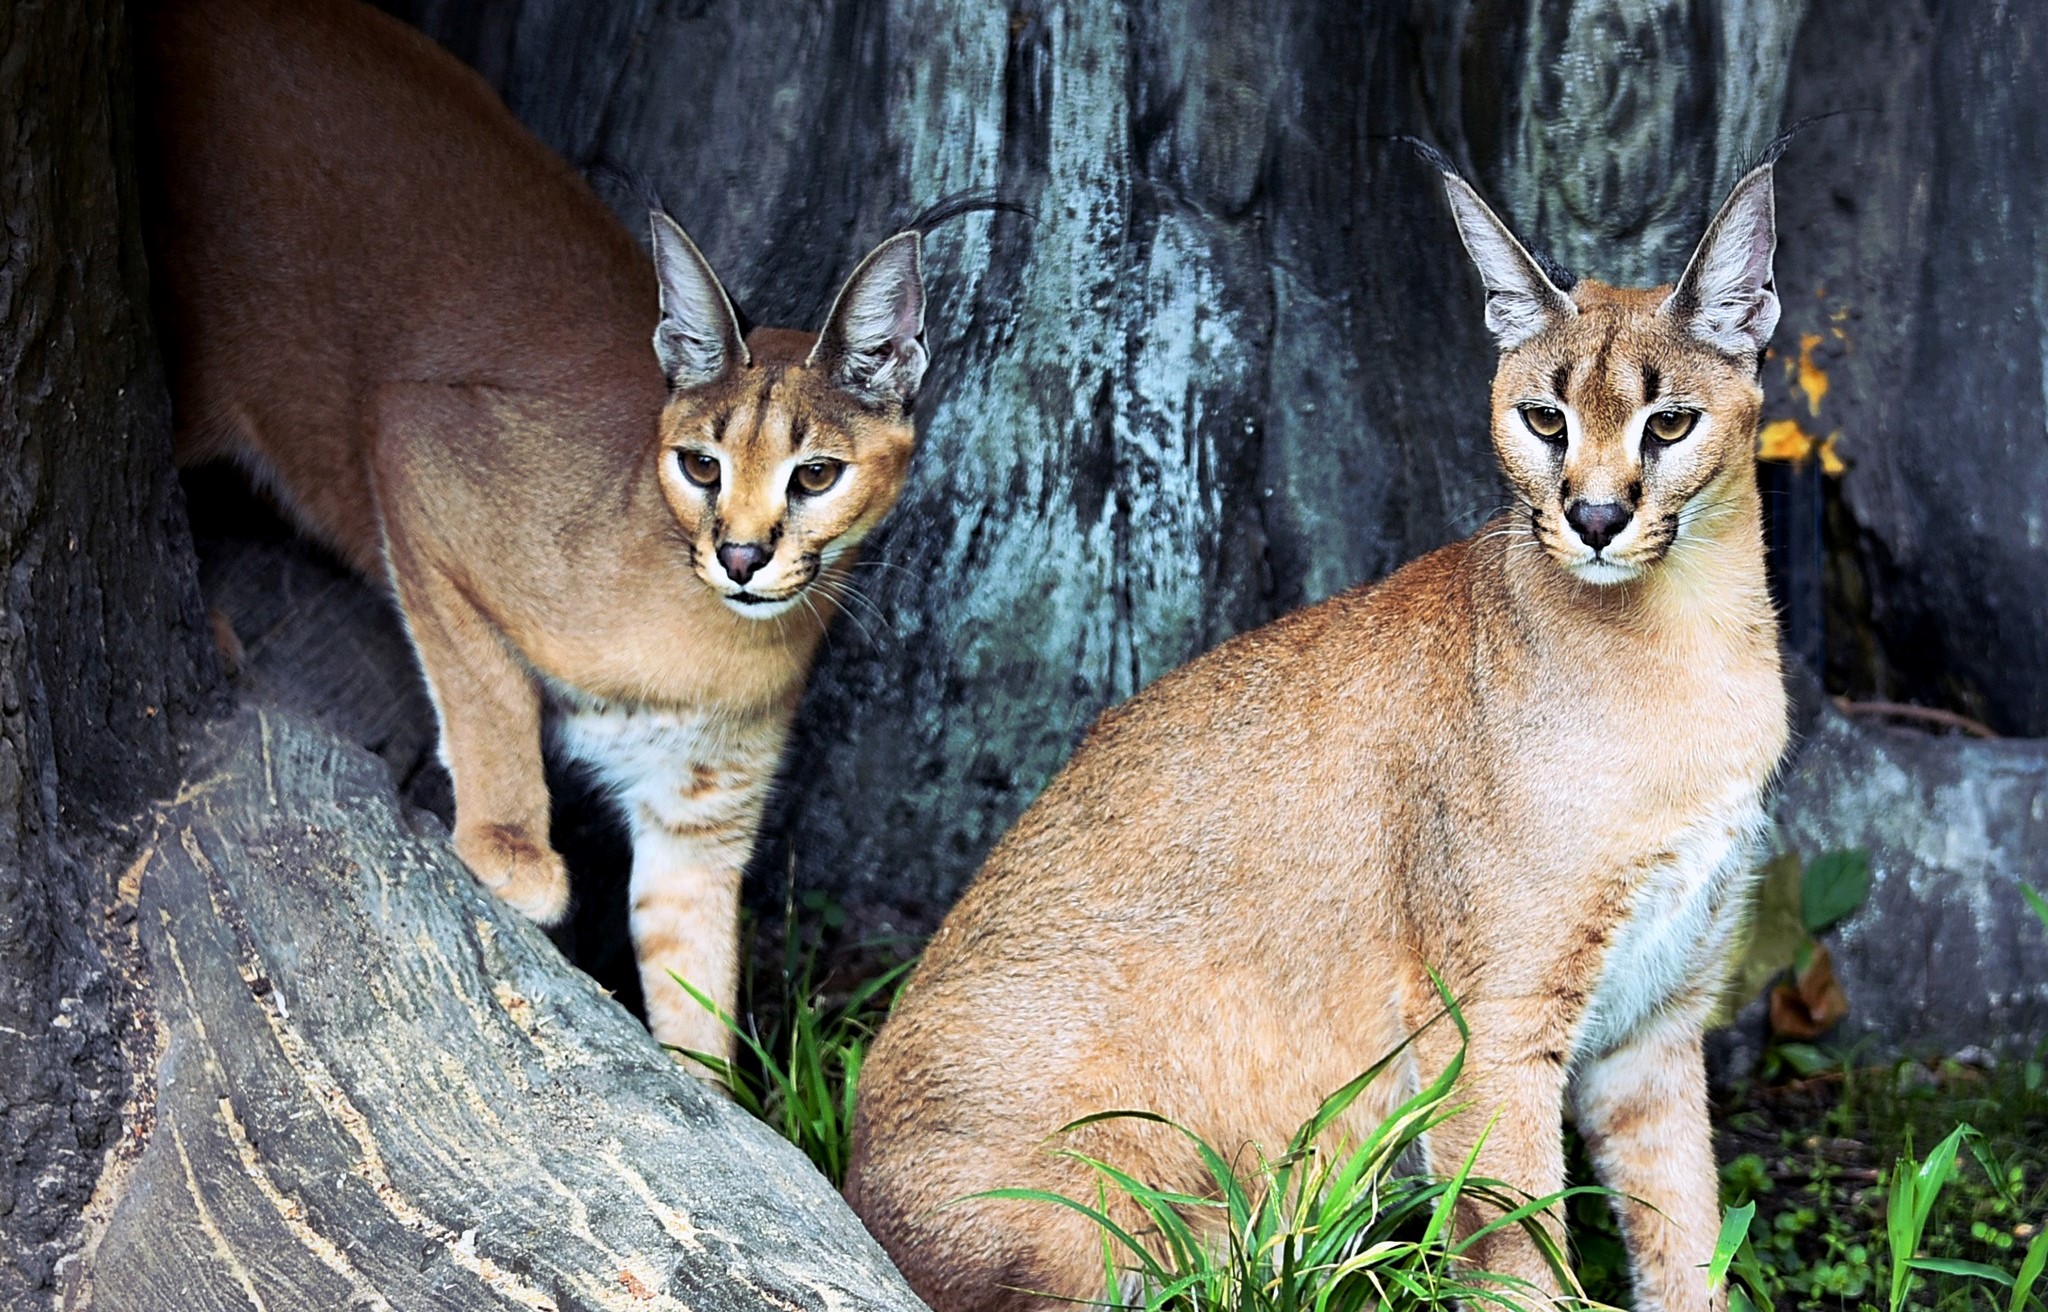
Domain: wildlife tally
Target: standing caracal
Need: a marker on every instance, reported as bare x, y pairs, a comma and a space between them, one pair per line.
419, 328
1534, 761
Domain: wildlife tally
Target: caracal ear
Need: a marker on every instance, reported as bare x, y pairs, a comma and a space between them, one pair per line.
873, 340
1726, 298
1521, 298
698, 338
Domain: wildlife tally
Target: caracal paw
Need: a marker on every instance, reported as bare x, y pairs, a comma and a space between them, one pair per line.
526, 875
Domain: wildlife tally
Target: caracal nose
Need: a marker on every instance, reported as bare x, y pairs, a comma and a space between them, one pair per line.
742, 560
1597, 522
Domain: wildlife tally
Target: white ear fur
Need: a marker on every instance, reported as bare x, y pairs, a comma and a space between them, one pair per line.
1521, 300
1726, 298
698, 337
873, 337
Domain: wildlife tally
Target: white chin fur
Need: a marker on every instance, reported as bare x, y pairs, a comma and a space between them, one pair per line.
1601, 573
761, 610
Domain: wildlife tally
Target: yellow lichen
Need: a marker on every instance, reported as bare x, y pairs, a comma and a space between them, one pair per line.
1831, 463
1783, 439
1812, 379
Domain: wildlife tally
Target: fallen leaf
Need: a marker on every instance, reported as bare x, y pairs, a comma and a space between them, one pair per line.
1812, 1002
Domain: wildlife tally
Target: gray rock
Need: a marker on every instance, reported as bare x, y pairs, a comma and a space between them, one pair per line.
1945, 952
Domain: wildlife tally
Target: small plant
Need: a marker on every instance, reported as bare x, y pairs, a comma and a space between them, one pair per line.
1809, 1001
1893, 1255
799, 1069
1315, 1229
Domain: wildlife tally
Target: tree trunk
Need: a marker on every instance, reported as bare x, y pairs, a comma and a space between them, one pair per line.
375, 1087
1236, 363
101, 661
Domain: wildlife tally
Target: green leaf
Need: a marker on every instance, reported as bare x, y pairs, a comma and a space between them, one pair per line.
2038, 903
1955, 1266
1834, 885
1734, 1229
2030, 1271
1805, 1059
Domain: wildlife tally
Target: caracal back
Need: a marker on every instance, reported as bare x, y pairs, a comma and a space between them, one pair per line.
387, 220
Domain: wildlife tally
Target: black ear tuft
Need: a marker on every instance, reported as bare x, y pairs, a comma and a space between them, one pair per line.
1560, 277
979, 200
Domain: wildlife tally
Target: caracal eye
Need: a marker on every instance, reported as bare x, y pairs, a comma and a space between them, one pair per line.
699, 468
1546, 421
1671, 425
815, 476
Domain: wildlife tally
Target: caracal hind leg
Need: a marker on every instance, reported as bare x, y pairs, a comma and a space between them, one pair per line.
961, 1253
1643, 1111
490, 713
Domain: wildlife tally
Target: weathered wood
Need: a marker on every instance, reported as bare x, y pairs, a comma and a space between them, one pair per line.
375, 1087
101, 649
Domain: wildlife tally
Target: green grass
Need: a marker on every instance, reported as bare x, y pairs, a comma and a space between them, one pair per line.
1829, 1177
1821, 1176
1318, 1228
801, 1046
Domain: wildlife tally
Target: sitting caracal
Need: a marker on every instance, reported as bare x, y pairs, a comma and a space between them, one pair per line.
1533, 760
425, 334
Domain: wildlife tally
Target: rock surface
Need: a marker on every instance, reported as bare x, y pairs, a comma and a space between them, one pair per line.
1945, 952
374, 1087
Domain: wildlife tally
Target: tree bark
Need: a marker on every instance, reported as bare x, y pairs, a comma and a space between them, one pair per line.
376, 1087
101, 660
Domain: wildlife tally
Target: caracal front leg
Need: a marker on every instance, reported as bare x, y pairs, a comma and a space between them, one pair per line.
1512, 1092
1642, 1109
693, 787
490, 713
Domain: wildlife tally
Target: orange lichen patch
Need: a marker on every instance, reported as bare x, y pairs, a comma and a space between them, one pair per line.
1785, 440
1812, 379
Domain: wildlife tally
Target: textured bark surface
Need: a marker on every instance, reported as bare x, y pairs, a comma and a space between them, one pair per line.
1235, 364
1915, 261
100, 653
377, 1088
